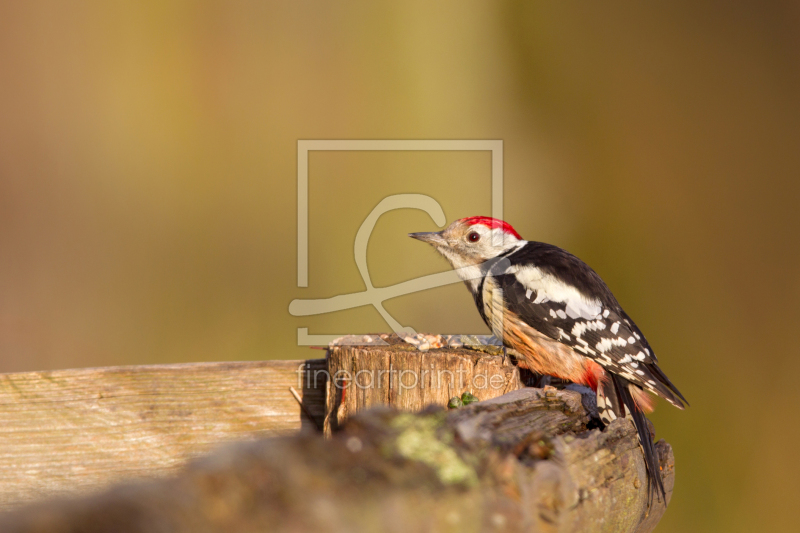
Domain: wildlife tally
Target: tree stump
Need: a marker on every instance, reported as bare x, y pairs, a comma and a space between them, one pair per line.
398, 374
524, 462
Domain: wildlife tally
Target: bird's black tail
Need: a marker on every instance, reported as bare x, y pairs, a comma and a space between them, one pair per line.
620, 400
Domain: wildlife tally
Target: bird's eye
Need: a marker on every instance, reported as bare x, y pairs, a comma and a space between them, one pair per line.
473, 237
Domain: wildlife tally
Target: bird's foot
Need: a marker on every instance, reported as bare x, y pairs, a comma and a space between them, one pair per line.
589, 401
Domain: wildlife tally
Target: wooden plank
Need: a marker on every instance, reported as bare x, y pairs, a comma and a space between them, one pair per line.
72, 431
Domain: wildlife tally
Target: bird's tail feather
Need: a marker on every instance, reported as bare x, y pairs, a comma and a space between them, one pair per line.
619, 398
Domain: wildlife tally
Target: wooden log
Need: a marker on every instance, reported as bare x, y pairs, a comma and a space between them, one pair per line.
399, 375
71, 431
522, 462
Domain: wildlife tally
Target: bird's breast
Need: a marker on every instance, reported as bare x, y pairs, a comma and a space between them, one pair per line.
541, 353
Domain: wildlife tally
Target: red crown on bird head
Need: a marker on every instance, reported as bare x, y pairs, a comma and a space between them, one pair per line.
492, 223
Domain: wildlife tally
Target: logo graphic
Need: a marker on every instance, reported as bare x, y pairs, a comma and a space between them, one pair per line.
375, 296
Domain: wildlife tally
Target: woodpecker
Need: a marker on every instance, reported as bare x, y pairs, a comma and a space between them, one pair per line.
559, 315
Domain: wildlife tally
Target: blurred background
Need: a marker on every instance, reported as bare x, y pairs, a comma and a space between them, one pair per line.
148, 156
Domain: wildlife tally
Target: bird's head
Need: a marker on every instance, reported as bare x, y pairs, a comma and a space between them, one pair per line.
471, 241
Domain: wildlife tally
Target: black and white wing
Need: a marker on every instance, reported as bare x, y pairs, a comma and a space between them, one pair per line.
563, 298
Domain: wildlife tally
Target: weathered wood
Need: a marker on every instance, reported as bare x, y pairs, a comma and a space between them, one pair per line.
401, 376
71, 431
523, 462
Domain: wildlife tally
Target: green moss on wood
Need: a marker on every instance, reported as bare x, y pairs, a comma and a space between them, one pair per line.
420, 439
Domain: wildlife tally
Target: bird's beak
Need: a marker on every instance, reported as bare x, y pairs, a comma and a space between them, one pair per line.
432, 237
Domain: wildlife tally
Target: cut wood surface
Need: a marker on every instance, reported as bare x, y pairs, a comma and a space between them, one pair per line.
522, 462
71, 431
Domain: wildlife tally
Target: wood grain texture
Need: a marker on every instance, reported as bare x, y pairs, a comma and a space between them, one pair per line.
400, 376
524, 462
71, 431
